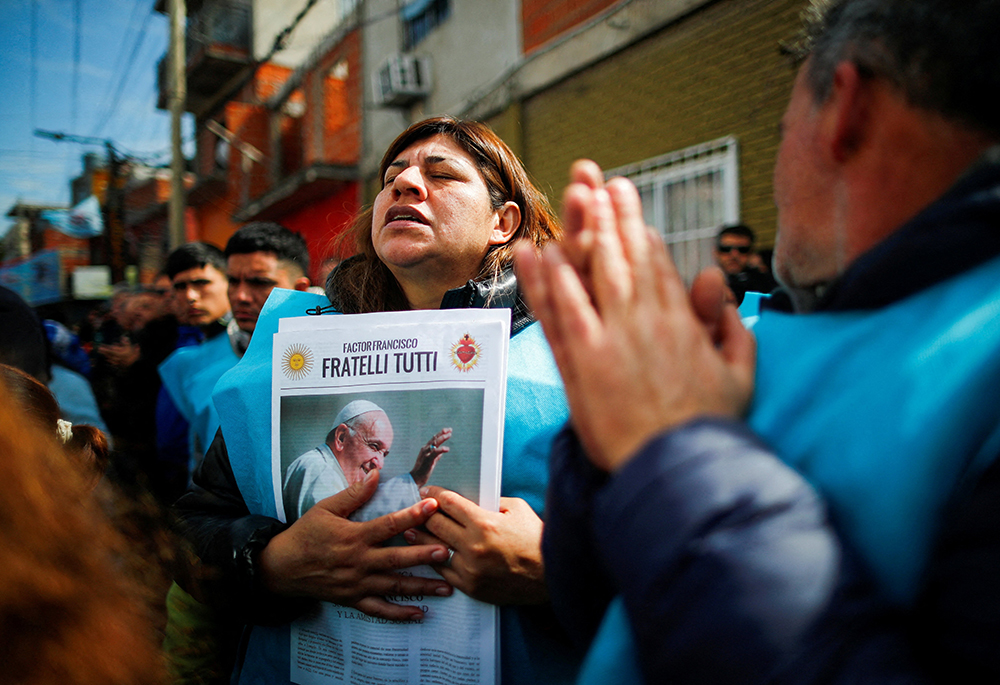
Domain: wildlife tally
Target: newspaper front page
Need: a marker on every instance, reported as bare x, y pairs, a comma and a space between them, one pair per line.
436, 375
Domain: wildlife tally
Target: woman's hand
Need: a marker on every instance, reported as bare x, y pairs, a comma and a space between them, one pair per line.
498, 555
120, 355
325, 556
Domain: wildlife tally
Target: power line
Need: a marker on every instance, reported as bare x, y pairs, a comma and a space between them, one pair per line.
126, 44
151, 127
155, 155
112, 104
75, 104
33, 41
38, 154
281, 40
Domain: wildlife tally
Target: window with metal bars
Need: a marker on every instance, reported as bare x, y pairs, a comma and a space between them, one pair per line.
686, 196
420, 17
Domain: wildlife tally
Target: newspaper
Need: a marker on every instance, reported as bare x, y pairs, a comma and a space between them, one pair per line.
429, 371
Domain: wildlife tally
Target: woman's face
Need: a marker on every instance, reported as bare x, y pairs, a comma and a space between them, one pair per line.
433, 219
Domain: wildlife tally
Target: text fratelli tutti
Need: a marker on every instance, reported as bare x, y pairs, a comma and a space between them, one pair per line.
378, 364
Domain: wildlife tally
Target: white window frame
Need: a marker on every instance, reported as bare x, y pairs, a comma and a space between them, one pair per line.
690, 246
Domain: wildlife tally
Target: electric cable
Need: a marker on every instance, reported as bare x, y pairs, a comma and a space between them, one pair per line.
75, 84
116, 100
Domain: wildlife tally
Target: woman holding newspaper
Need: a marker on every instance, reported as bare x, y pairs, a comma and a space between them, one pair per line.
454, 200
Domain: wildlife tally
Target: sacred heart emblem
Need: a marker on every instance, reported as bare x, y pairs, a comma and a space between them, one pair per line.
465, 353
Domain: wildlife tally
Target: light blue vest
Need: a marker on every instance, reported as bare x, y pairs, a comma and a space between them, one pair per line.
189, 375
885, 412
535, 411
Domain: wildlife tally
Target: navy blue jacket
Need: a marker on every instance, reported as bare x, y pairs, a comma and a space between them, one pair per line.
727, 565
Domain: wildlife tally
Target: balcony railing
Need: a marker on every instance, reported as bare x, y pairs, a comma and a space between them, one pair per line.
220, 27
218, 46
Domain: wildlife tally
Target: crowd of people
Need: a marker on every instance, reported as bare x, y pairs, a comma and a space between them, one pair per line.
805, 495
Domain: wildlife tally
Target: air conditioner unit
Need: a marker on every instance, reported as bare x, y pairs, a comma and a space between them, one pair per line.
402, 79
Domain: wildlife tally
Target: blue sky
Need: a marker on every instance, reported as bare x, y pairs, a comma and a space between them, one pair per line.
110, 92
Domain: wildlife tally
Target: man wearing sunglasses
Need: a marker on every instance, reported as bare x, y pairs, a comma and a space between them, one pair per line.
734, 254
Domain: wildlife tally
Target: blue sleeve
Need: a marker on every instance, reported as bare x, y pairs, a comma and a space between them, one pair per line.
956, 626
711, 540
578, 587
725, 562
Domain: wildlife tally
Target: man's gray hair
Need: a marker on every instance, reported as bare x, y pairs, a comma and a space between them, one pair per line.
944, 55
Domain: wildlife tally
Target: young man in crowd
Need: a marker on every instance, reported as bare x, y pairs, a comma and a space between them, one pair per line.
259, 257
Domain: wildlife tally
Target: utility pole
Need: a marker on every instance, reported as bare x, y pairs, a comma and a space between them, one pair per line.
113, 200
114, 222
177, 97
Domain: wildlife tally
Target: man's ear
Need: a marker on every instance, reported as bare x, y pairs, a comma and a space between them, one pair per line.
301, 284
339, 433
847, 111
509, 220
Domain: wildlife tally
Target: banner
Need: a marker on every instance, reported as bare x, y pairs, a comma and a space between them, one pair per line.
82, 221
35, 279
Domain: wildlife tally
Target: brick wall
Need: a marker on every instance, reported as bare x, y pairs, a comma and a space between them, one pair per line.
205, 152
331, 124
153, 191
269, 79
714, 73
73, 252
249, 124
287, 137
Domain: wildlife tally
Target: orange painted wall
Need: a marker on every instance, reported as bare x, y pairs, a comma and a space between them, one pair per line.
331, 125
213, 225
269, 79
323, 220
543, 20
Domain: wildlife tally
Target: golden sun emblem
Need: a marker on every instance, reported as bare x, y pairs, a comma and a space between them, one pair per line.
465, 353
297, 362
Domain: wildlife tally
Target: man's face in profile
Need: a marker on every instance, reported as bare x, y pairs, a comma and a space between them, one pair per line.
365, 449
732, 253
812, 239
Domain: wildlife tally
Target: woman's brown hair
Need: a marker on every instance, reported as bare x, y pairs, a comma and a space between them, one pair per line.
87, 444
70, 612
364, 284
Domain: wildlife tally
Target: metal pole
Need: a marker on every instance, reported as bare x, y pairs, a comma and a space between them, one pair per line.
178, 94
113, 200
